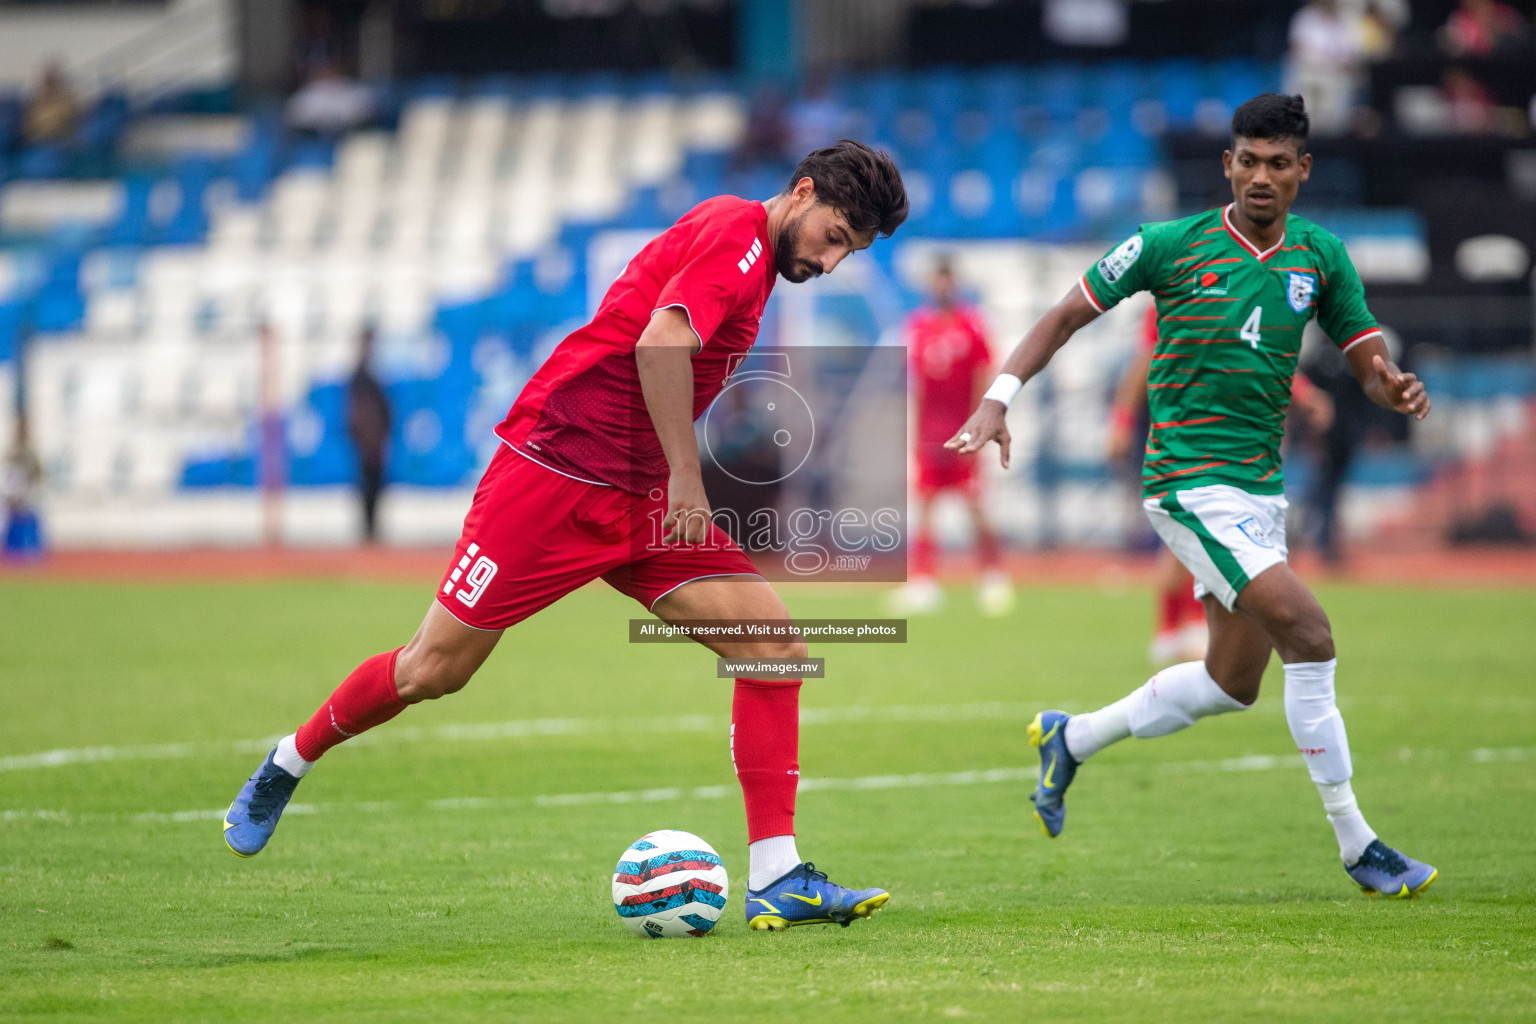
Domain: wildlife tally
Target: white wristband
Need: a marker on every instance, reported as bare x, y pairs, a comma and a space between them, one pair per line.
1004, 388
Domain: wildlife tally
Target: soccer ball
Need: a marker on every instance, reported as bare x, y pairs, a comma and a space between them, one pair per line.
669, 885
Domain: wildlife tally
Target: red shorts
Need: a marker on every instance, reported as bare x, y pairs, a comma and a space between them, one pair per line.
946, 471
534, 535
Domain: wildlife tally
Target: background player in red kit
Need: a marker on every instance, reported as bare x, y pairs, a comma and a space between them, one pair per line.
949, 355
600, 446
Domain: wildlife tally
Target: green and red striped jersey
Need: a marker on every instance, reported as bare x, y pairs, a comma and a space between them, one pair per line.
1229, 325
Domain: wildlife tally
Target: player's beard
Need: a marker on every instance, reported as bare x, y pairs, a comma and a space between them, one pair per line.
786, 255
1265, 216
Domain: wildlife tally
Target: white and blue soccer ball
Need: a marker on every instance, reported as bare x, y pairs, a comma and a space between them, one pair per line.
670, 885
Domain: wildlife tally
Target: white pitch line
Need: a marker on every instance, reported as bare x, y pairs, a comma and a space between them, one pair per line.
917, 780
528, 728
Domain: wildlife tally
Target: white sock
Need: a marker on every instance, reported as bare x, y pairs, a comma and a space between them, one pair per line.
1349, 826
770, 860
1318, 729
287, 757
1315, 723
1088, 734
1171, 700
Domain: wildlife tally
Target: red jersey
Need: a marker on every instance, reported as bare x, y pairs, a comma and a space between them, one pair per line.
583, 413
948, 348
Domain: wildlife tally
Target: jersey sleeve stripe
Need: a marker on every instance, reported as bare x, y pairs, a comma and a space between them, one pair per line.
686, 313
1359, 338
1188, 423
1082, 283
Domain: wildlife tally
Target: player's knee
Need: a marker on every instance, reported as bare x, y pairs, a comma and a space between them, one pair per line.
778, 649
1311, 638
1302, 633
1241, 682
795, 649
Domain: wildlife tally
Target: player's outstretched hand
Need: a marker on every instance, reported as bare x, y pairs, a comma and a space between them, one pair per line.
987, 423
687, 520
1404, 390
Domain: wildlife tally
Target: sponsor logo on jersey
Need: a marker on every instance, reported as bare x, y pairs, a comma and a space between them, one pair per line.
1212, 282
747, 261
1299, 291
1255, 531
1119, 261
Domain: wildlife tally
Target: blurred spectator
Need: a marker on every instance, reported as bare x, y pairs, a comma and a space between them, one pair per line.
1348, 420
368, 421
53, 111
1324, 64
22, 478
1378, 33
1483, 28
815, 120
330, 103
1469, 104
767, 136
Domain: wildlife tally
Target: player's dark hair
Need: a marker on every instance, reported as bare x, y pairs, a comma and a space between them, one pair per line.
860, 183
1273, 116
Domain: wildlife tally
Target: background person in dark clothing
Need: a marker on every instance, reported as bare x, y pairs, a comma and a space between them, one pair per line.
368, 422
1354, 418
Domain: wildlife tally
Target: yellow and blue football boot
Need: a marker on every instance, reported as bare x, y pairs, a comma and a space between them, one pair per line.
804, 896
1383, 870
1057, 767
252, 818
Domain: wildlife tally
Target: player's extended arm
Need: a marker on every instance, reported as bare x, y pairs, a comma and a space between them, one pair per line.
1382, 381
1049, 333
664, 359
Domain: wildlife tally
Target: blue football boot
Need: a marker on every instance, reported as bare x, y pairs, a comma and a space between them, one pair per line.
1057, 767
1383, 870
252, 818
804, 896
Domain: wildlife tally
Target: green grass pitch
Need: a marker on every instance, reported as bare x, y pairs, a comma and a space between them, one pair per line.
1196, 880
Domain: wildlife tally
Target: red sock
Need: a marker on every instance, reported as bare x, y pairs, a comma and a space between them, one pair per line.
765, 742
988, 552
1190, 608
366, 698
1169, 607
922, 553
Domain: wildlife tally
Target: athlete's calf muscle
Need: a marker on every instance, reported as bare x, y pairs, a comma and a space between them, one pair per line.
1238, 651
441, 657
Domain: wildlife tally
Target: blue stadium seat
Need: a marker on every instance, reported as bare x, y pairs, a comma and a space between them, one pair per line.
320, 452
11, 314
256, 162
1182, 90
189, 223
132, 224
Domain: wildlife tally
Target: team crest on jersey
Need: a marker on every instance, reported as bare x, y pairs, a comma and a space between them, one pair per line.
1212, 282
1119, 261
1299, 291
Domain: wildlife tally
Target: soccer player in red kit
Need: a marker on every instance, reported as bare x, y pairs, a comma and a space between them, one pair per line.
598, 448
949, 356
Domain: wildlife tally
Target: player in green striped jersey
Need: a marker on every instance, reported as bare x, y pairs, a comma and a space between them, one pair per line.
1234, 289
